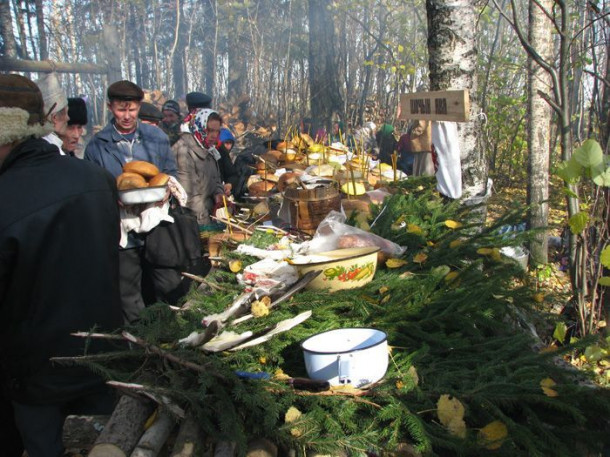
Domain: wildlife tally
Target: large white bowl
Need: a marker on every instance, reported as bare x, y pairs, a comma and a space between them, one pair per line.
341, 269
142, 195
356, 356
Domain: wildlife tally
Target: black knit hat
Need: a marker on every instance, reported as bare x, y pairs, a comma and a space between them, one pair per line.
77, 110
149, 112
171, 105
198, 100
125, 91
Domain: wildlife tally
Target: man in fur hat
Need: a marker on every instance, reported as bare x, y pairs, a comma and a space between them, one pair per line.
58, 272
55, 107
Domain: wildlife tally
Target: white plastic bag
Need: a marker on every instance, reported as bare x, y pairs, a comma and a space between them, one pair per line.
334, 233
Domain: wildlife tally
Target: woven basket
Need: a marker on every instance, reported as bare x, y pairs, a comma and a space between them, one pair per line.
308, 207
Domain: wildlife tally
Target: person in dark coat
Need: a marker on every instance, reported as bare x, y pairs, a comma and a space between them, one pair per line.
59, 227
386, 142
229, 175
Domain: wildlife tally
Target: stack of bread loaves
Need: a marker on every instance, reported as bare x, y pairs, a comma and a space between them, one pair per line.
139, 174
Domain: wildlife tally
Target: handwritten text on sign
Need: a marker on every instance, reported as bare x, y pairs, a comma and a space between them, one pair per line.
447, 105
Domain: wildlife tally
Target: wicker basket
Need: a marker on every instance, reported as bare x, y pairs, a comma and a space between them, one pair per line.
308, 207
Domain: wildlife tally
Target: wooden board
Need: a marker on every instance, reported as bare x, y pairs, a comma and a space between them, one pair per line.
443, 105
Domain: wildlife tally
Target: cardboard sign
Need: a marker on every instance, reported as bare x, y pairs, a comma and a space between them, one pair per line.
442, 105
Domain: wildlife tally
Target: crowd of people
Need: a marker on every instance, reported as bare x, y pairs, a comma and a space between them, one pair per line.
71, 256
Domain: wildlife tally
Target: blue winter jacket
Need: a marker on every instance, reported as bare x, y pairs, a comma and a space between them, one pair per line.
151, 145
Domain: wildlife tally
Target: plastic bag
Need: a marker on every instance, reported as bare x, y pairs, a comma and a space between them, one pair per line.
334, 233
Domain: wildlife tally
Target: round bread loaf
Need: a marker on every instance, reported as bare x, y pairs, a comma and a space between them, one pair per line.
130, 180
146, 169
160, 179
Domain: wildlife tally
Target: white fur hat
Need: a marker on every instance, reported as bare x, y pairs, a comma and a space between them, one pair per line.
52, 93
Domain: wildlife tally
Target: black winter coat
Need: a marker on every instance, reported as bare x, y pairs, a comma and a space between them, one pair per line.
59, 236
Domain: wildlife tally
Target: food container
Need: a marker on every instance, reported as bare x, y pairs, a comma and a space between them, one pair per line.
356, 356
341, 269
142, 195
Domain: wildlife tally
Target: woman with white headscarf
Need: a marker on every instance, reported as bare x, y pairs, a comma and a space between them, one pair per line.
196, 158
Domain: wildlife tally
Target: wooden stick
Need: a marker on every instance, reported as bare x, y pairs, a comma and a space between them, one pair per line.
224, 200
99, 336
155, 437
228, 222
156, 394
201, 280
166, 355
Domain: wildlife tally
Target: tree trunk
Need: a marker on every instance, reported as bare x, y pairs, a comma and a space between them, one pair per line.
325, 96
178, 51
238, 68
538, 129
209, 62
42, 34
21, 29
453, 60
6, 28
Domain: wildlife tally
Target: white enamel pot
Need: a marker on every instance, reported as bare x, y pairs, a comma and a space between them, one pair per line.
356, 356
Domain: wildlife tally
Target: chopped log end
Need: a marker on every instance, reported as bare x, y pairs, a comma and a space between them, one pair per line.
261, 448
106, 450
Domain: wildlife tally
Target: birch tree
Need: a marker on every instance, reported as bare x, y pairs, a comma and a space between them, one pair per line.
538, 129
453, 62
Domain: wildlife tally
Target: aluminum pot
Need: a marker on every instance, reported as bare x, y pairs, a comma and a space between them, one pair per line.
356, 356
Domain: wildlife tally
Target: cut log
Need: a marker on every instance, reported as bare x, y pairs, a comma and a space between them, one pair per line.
225, 449
80, 432
190, 439
124, 428
155, 437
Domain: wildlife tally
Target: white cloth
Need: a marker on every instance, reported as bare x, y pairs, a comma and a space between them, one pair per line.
55, 140
446, 145
143, 221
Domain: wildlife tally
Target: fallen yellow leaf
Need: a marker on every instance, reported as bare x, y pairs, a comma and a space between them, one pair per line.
420, 257
493, 435
235, 266
449, 408
455, 243
415, 229
262, 359
383, 289
452, 224
449, 277
292, 414
484, 251
547, 385
539, 297
279, 374
399, 384
395, 263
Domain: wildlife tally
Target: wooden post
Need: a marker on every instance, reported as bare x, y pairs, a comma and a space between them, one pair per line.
47, 66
